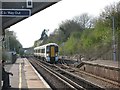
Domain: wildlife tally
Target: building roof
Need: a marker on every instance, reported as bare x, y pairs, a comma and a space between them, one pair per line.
37, 6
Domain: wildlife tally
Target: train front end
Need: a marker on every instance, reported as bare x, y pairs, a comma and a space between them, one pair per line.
52, 53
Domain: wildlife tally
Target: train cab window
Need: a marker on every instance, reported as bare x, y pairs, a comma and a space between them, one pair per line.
48, 49
56, 48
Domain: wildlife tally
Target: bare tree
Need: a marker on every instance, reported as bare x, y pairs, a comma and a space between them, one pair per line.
84, 20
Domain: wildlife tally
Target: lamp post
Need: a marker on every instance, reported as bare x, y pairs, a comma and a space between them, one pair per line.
113, 37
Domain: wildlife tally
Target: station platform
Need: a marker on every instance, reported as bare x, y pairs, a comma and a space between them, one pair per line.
106, 63
25, 77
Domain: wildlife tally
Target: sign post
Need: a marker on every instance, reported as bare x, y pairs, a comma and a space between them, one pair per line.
0, 48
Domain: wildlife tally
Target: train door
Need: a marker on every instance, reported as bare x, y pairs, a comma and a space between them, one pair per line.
52, 54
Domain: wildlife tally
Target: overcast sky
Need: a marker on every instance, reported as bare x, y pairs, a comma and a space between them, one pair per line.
30, 29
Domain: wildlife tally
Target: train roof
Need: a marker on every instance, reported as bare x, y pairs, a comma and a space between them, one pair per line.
45, 45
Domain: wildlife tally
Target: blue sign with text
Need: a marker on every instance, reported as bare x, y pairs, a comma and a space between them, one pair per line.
15, 12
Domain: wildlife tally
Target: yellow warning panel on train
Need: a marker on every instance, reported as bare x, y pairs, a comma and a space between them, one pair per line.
52, 51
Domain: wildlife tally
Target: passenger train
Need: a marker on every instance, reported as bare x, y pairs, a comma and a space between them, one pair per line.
48, 52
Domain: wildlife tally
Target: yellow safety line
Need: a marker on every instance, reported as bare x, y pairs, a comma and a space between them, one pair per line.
20, 79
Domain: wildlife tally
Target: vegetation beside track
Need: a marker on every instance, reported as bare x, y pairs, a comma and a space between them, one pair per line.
87, 35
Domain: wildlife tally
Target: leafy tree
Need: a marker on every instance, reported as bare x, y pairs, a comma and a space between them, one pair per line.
109, 12
67, 27
11, 43
113, 11
71, 46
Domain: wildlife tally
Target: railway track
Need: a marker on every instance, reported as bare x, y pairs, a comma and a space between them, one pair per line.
59, 78
106, 83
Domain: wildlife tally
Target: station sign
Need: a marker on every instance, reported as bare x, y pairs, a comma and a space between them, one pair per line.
15, 12
29, 4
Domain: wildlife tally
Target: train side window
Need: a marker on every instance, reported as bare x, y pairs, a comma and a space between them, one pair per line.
43, 50
39, 51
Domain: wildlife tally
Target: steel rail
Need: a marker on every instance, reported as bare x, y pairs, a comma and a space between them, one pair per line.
71, 78
67, 82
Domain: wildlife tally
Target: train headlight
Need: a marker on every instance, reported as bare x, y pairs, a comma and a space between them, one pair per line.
56, 54
56, 58
47, 54
48, 59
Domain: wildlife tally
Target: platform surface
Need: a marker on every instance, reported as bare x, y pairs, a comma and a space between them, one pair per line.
108, 63
25, 76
